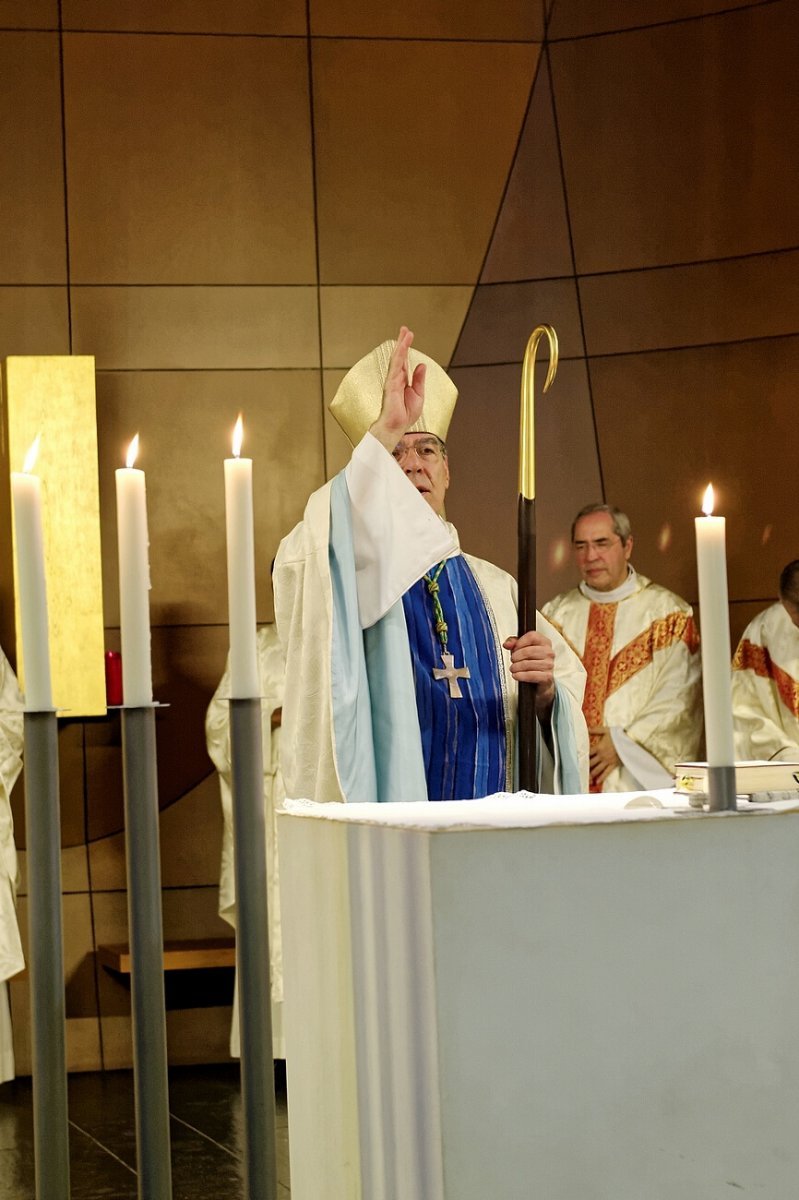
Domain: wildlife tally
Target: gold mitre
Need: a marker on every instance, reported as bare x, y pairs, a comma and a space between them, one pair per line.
357, 403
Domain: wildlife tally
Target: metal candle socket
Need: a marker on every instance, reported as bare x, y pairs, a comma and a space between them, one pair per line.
721, 789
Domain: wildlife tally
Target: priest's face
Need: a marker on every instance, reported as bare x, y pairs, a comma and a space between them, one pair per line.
601, 555
423, 459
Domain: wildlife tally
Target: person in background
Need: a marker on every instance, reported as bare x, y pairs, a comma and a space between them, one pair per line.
11, 960
402, 660
640, 648
765, 678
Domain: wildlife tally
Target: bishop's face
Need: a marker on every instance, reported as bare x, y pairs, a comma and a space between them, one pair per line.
601, 555
422, 458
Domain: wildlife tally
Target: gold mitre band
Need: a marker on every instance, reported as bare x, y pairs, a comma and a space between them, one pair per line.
357, 403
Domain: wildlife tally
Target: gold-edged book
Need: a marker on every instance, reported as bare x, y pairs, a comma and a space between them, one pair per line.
752, 776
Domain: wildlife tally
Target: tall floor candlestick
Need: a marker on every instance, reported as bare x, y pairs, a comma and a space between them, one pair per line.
43, 831
714, 615
48, 1015
145, 930
142, 851
249, 831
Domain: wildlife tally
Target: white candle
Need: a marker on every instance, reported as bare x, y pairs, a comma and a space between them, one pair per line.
26, 491
714, 616
244, 682
134, 583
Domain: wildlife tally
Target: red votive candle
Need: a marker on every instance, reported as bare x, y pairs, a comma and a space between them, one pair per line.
113, 677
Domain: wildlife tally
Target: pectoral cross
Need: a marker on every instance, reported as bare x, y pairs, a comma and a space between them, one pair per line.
452, 673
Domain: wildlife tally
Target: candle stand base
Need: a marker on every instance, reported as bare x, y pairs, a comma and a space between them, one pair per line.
252, 951
145, 927
721, 789
46, 959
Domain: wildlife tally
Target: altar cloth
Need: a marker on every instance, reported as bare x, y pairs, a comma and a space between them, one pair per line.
524, 810
550, 998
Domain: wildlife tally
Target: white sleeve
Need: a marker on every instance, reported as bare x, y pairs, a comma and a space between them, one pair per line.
643, 766
396, 534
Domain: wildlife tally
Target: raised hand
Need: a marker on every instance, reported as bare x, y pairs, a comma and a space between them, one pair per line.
403, 397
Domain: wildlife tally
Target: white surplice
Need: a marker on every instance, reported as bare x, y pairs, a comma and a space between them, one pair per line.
396, 538
11, 959
640, 648
765, 688
217, 733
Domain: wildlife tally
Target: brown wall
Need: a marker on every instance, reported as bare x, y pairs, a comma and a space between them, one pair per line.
227, 204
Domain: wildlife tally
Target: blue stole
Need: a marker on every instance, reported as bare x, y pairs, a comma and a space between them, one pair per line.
463, 738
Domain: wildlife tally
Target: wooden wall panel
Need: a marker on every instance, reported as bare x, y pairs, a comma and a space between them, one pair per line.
674, 140
175, 175
32, 231
413, 154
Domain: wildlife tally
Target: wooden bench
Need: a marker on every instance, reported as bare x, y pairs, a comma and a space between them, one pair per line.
178, 956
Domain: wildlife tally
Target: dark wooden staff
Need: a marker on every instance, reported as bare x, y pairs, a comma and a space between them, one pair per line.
528, 766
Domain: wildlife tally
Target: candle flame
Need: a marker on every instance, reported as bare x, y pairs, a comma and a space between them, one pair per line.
32, 455
708, 500
133, 452
238, 436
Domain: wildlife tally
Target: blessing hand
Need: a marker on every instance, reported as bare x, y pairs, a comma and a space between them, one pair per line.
403, 397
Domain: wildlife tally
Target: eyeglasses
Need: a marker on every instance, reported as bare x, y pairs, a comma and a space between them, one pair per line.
426, 450
601, 544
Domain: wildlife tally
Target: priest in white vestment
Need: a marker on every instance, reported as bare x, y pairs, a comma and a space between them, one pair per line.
640, 648
272, 673
765, 678
11, 960
402, 661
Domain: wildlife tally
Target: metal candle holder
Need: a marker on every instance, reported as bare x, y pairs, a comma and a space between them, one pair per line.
48, 1017
721, 790
252, 950
146, 934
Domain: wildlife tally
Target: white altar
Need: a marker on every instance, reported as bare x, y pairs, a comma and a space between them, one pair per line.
540, 999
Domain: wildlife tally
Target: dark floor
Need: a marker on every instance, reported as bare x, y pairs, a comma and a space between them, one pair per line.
204, 1103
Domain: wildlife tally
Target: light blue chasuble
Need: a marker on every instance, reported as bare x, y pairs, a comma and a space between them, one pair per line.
377, 741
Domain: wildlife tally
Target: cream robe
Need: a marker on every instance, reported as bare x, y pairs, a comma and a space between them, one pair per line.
765, 688
397, 537
11, 959
647, 684
217, 733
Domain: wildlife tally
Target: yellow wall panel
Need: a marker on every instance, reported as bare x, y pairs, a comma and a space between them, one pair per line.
54, 397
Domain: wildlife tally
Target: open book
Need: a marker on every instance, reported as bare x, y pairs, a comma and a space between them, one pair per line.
753, 776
